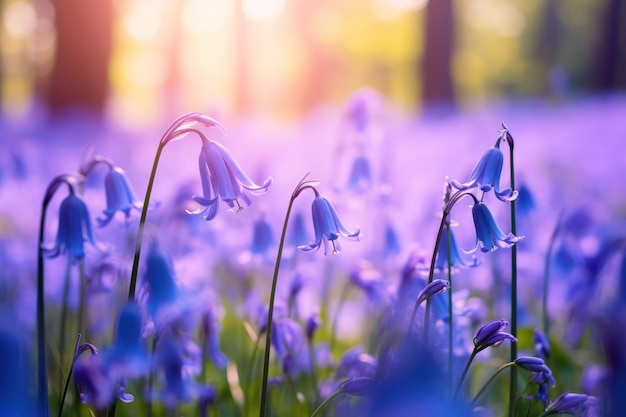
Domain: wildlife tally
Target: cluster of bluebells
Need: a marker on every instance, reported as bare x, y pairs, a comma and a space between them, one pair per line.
168, 346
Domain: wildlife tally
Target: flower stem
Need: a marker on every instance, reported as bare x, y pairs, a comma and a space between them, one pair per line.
69, 376
42, 383
450, 316
513, 384
467, 366
142, 221
268, 330
500, 369
319, 409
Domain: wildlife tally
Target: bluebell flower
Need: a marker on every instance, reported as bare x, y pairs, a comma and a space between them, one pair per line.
491, 335
120, 196
456, 261
222, 177
435, 287
160, 286
532, 364
290, 346
567, 403
262, 237
16, 394
367, 278
545, 380
486, 175
360, 108
391, 242
313, 322
74, 229
355, 363
489, 237
211, 329
328, 227
542, 344
298, 232
172, 361
360, 179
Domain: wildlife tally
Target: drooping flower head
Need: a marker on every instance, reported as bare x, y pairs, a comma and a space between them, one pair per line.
222, 177
486, 175
491, 334
74, 229
120, 196
456, 261
489, 237
328, 227
360, 179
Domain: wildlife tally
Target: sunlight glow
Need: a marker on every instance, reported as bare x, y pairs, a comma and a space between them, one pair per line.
19, 19
207, 15
142, 21
263, 10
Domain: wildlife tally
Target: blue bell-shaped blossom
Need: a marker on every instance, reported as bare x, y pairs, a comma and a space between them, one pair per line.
211, 329
222, 177
262, 237
74, 229
290, 345
161, 289
489, 237
328, 227
486, 175
360, 179
456, 261
120, 196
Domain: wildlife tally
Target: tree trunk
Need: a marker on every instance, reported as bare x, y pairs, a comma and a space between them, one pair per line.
611, 41
80, 75
439, 40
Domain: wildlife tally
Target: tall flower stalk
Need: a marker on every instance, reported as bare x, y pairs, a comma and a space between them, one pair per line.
506, 135
302, 185
71, 180
178, 129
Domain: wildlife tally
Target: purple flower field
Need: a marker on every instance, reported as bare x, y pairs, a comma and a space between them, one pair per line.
358, 261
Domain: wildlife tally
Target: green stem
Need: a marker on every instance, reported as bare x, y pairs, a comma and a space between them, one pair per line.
248, 385
465, 370
500, 369
513, 384
69, 376
268, 329
142, 221
319, 409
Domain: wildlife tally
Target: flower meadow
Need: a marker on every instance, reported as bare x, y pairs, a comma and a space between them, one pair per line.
358, 261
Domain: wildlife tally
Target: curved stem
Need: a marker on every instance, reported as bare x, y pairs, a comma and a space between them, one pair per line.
500, 369
319, 409
69, 375
465, 370
270, 313
431, 273
142, 221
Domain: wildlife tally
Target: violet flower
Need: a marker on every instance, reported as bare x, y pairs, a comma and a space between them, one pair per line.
489, 237
74, 229
491, 335
532, 364
567, 403
360, 179
441, 264
222, 177
435, 287
486, 175
120, 196
328, 227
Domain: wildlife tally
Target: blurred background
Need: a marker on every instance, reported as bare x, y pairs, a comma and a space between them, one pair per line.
133, 60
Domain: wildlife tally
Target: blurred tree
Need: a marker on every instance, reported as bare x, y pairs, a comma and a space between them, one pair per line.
609, 72
439, 43
80, 74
